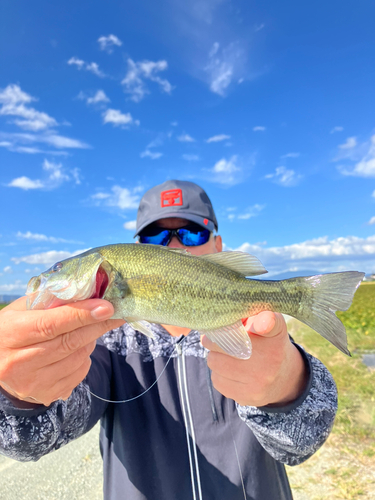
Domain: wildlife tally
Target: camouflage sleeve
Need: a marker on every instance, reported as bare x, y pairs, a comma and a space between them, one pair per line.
27, 434
293, 433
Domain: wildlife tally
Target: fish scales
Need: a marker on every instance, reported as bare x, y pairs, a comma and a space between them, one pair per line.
167, 287
208, 293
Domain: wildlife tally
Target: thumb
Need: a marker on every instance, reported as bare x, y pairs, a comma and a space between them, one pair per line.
267, 324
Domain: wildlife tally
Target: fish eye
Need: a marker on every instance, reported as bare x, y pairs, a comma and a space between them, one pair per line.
56, 268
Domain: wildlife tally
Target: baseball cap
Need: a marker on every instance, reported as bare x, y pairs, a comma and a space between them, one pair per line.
176, 199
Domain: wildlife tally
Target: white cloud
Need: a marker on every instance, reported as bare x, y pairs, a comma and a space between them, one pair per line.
336, 129
76, 62
36, 270
320, 254
108, 42
56, 175
351, 142
226, 171
122, 198
25, 183
185, 138
250, 212
46, 258
259, 128
100, 96
58, 141
156, 142
365, 167
131, 225
138, 72
17, 286
371, 221
218, 138
117, 118
284, 177
41, 237
290, 155
224, 66
92, 67
8, 270
188, 157
150, 154
259, 27
14, 103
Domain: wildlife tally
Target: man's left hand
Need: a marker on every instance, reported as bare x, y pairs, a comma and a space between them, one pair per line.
275, 374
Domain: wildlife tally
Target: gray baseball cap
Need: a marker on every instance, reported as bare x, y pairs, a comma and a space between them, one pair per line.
176, 199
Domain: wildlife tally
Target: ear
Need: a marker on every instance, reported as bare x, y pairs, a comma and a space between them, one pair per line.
218, 243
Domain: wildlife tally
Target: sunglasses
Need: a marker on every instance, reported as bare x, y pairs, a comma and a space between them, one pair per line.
192, 235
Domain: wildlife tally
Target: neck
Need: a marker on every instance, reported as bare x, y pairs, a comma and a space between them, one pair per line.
176, 331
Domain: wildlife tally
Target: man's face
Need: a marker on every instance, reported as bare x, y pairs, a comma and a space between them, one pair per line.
213, 245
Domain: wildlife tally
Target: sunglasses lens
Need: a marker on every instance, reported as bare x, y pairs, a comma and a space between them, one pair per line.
155, 238
193, 238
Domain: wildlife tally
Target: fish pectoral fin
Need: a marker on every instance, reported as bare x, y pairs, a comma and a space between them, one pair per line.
233, 339
142, 326
240, 262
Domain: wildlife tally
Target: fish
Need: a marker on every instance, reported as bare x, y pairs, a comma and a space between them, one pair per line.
209, 293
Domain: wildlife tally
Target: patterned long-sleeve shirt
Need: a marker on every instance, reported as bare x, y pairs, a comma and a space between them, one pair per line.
180, 439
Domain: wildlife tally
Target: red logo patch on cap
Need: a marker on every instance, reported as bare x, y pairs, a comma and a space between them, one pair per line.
171, 198
205, 222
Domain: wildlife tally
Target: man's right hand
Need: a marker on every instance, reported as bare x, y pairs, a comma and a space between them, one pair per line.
44, 355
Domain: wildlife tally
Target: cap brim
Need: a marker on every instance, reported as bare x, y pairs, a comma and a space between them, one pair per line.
179, 215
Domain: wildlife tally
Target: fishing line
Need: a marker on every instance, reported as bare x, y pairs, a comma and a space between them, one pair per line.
151, 386
235, 449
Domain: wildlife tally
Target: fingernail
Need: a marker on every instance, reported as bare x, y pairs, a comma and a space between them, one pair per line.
101, 312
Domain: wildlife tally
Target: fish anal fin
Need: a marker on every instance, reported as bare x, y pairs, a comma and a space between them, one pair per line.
142, 326
233, 339
240, 262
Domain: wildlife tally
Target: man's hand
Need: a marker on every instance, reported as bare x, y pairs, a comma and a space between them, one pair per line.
44, 355
275, 374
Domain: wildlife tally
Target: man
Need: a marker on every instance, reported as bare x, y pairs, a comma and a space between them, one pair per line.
213, 427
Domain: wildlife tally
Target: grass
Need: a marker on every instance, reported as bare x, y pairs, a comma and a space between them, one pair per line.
2, 306
353, 434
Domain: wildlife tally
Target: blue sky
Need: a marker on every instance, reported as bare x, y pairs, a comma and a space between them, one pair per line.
268, 105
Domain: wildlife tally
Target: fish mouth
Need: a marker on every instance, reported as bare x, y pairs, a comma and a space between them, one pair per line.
42, 297
101, 284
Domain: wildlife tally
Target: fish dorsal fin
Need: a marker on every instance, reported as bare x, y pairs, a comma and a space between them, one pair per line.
183, 251
233, 339
240, 262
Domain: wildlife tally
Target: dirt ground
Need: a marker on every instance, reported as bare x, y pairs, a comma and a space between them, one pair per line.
337, 471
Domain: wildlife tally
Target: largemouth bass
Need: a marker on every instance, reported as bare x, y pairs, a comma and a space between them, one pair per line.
208, 293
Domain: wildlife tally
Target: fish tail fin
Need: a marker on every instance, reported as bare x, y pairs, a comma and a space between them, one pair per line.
329, 293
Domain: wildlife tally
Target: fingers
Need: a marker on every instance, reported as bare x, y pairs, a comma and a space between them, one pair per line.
52, 382
266, 324
31, 327
244, 394
227, 366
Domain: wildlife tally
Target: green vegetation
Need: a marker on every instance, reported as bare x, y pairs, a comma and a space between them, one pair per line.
353, 434
2, 306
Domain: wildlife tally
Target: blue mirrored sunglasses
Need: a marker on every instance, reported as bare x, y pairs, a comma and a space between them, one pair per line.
189, 236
